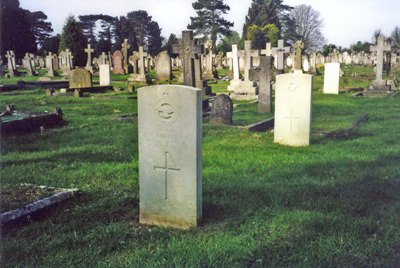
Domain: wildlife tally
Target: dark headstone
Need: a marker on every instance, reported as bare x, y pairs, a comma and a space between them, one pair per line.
222, 110
80, 78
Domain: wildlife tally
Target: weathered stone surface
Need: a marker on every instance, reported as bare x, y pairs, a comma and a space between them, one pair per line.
293, 109
80, 78
163, 67
331, 78
118, 62
170, 160
264, 84
222, 110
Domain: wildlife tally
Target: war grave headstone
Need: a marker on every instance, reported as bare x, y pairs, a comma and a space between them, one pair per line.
222, 110
306, 64
89, 52
246, 89
293, 109
331, 78
118, 62
105, 79
163, 67
380, 48
170, 155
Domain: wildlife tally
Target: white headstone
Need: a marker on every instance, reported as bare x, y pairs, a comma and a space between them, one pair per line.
331, 78
170, 155
293, 109
104, 74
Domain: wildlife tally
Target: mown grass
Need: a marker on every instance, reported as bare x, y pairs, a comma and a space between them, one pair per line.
335, 203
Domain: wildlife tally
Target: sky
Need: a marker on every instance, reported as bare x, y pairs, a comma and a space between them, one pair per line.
345, 21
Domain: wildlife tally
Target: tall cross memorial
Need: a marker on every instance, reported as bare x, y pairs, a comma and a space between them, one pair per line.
380, 48
298, 48
280, 54
125, 47
89, 52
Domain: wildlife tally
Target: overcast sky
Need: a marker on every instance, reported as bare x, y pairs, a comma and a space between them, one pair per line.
346, 21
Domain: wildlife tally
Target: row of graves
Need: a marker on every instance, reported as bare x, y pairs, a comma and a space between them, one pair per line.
170, 122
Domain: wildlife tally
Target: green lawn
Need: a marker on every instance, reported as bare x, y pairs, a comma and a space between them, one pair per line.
335, 203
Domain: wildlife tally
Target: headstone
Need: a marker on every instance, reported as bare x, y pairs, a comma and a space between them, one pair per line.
298, 47
264, 85
125, 47
222, 110
89, 52
50, 65
139, 74
118, 62
104, 74
306, 64
187, 51
56, 65
234, 55
331, 78
208, 72
11, 63
381, 47
170, 155
163, 67
280, 54
293, 109
80, 78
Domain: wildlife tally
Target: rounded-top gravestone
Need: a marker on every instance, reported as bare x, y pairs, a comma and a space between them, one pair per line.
222, 110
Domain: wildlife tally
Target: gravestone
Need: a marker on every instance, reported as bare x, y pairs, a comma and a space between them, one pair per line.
234, 55
104, 74
222, 110
80, 78
293, 109
50, 65
380, 48
11, 63
125, 47
188, 52
208, 72
56, 64
170, 155
280, 54
298, 48
89, 52
331, 78
138, 74
118, 62
163, 67
264, 85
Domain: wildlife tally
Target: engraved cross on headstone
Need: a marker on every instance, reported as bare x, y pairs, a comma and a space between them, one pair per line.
166, 168
291, 117
187, 51
280, 53
381, 47
298, 46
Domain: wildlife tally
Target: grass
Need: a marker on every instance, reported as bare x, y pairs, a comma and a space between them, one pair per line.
335, 203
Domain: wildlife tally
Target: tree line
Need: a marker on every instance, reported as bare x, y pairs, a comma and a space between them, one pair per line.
266, 21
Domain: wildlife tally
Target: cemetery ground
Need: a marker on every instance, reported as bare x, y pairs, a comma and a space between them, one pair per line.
334, 203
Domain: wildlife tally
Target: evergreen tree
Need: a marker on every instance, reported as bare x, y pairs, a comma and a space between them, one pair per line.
172, 39
73, 38
395, 36
40, 28
259, 36
15, 29
51, 44
209, 21
264, 12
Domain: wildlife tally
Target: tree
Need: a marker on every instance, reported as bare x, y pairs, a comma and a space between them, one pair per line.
40, 28
261, 35
327, 49
51, 44
308, 26
264, 12
360, 46
172, 39
376, 34
395, 36
209, 21
72, 38
227, 42
140, 30
16, 30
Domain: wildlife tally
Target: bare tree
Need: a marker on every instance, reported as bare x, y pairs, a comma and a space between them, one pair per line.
308, 25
